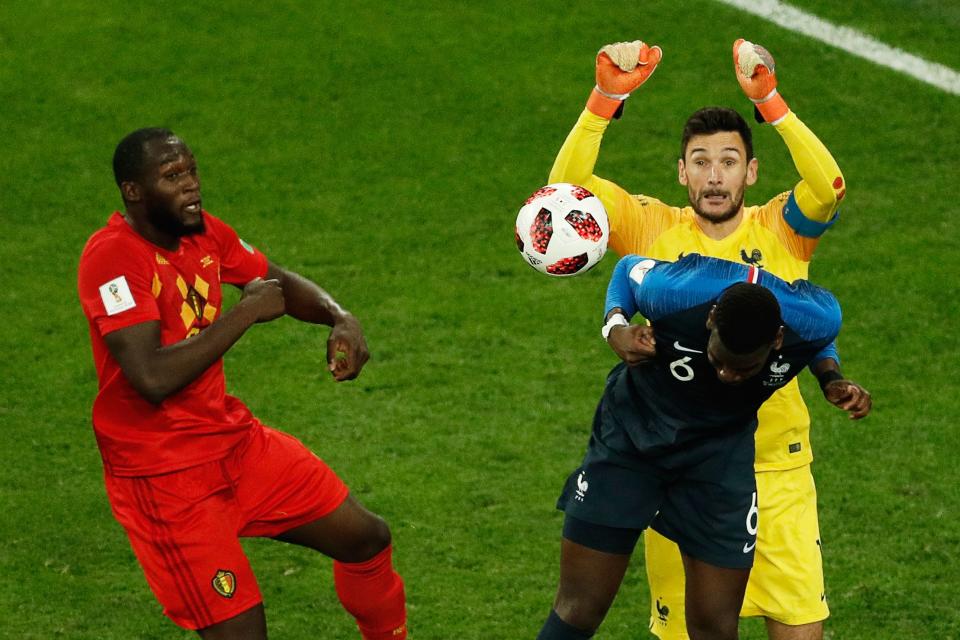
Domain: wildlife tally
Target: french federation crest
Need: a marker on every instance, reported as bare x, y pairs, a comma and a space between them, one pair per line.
582, 485
778, 374
225, 583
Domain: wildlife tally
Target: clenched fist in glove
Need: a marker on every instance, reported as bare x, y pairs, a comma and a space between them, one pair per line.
621, 68
756, 73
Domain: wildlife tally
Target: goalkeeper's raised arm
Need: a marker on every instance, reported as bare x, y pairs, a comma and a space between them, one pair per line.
817, 196
621, 68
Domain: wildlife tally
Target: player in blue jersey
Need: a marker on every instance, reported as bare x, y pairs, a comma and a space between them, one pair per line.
672, 446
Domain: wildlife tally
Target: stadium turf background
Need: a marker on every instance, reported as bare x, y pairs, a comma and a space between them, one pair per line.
383, 150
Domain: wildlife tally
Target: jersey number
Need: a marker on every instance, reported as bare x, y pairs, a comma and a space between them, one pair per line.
681, 370
753, 516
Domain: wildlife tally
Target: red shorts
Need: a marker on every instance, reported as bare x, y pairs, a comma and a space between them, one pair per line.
185, 526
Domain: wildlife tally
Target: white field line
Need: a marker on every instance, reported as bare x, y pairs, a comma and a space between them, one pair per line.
852, 41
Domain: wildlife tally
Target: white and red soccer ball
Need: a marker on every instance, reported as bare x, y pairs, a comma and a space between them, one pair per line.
562, 230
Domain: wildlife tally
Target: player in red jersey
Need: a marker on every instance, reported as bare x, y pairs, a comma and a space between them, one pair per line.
189, 469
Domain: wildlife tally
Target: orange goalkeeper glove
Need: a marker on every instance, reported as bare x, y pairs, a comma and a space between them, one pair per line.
756, 73
621, 68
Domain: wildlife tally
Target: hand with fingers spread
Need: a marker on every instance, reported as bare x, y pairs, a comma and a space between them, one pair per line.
621, 68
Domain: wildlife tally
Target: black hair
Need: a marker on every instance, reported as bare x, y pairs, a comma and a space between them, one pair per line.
713, 120
128, 158
747, 317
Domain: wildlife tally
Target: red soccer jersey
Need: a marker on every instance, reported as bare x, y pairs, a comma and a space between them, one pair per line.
124, 280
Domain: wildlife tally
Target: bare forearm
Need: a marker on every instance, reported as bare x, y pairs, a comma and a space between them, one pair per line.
157, 372
826, 371
307, 302
181, 363
822, 366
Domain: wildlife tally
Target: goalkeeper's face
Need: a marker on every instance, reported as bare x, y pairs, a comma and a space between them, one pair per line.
716, 171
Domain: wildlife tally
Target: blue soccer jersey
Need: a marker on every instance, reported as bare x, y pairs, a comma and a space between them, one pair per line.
678, 396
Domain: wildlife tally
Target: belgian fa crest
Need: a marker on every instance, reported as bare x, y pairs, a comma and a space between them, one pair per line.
225, 583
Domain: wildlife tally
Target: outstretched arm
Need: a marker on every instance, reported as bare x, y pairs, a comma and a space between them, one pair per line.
817, 196
620, 70
305, 300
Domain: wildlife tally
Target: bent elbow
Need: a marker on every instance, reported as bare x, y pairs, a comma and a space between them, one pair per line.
150, 388
836, 193
154, 397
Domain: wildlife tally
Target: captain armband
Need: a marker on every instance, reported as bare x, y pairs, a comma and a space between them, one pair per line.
803, 225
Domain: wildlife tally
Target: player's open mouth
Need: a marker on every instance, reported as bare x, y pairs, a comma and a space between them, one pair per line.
193, 207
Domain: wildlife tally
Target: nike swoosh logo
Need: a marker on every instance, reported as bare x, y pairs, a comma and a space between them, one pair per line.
676, 345
747, 548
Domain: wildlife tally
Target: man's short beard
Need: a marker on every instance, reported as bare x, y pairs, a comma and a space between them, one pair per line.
163, 220
717, 218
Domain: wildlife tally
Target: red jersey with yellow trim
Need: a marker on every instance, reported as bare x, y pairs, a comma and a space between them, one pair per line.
124, 280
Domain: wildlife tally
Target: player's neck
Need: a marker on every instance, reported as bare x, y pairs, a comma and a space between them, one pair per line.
718, 230
151, 234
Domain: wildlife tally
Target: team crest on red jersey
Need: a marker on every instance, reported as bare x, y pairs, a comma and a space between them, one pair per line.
225, 583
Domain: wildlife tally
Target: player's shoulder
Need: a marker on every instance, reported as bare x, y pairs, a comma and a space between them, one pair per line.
115, 241
671, 287
214, 225
648, 218
653, 205
768, 212
810, 310
219, 230
695, 267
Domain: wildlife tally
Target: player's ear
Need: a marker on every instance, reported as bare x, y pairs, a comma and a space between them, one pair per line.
711, 318
752, 169
131, 191
778, 341
681, 173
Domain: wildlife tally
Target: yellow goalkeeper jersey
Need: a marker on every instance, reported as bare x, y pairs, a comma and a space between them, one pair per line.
779, 236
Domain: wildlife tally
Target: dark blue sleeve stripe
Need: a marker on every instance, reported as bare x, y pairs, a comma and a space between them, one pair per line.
803, 225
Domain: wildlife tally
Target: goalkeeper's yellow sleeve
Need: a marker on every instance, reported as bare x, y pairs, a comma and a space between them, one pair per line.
575, 163
822, 187
578, 155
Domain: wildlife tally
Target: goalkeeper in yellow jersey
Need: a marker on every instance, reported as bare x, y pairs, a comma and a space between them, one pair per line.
716, 165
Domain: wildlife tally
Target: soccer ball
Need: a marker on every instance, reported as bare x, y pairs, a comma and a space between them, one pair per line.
562, 230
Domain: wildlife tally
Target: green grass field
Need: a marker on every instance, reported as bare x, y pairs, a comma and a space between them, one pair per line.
383, 150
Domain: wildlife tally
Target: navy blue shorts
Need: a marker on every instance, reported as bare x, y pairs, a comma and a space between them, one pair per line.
701, 494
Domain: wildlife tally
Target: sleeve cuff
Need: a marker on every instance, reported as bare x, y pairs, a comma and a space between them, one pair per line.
773, 110
600, 105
